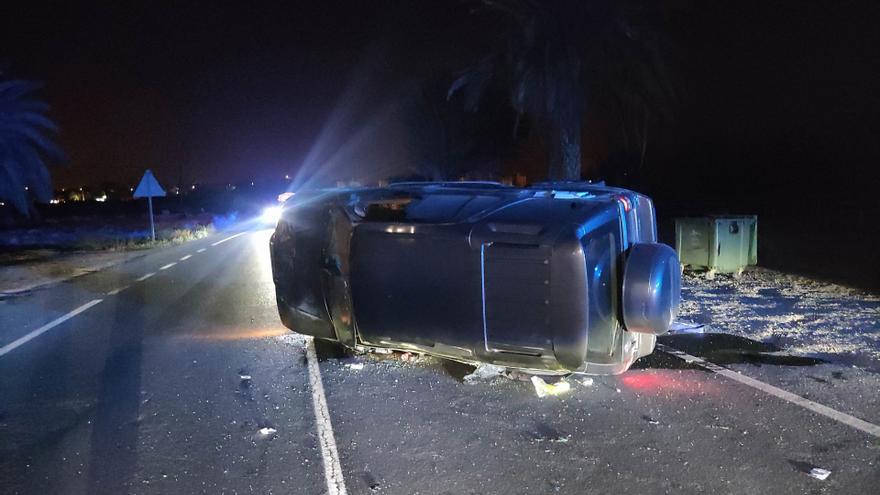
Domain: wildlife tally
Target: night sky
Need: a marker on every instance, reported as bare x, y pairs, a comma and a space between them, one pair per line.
778, 99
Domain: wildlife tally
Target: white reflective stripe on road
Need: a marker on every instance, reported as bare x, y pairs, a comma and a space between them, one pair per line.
145, 277
826, 411
169, 265
117, 290
45, 328
221, 241
201, 250
186, 257
329, 454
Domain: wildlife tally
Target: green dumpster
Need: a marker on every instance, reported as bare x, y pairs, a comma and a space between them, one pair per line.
718, 244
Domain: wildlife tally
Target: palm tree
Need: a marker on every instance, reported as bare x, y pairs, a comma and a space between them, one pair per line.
24, 145
562, 59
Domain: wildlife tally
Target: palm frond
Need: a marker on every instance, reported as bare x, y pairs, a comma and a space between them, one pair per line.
564, 59
25, 145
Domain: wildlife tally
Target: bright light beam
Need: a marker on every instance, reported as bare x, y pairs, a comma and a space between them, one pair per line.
271, 214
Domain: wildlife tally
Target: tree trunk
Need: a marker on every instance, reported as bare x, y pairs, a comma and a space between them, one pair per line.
565, 162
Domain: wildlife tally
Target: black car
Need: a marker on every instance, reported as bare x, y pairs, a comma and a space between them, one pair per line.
558, 277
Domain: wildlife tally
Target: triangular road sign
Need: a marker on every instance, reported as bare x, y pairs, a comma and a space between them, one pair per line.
149, 187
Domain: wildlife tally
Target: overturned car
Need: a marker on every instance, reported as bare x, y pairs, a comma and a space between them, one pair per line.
558, 277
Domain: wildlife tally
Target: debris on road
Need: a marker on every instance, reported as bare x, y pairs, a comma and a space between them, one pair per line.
245, 378
688, 327
355, 366
561, 439
819, 473
409, 357
650, 420
518, 376
484, 372
543, 389
587, 382
266, 431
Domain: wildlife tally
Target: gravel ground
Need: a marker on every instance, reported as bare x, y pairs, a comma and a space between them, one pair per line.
799, 315
26, 270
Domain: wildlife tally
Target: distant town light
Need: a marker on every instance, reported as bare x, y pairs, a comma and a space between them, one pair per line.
101, 198
54, 201
26, 188
286, 176
193, 187
130, 189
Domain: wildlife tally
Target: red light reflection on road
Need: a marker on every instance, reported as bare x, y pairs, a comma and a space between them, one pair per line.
238, 333
657, 382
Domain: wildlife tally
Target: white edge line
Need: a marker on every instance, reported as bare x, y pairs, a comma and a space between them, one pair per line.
169, 265
826, 411
221, 241
329, 454
145, 277
186, 257
201, 250
45, 328
118, 290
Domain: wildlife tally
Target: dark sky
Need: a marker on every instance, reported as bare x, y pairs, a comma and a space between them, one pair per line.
228, 92
777, 94
782, 95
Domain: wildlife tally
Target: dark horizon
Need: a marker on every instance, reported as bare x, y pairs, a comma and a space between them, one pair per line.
780, 99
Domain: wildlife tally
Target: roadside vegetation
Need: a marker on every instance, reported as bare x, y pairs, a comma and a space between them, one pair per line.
53, 250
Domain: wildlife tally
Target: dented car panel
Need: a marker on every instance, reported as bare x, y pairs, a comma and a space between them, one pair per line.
560, 277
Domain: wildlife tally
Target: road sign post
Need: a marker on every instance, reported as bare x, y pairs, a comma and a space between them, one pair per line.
147, 188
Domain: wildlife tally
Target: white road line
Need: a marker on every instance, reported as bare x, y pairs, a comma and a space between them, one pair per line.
332, 467
118, 290
145, 277
221, 241
826, 411
169, 265
45, 328
186, 257
201, 250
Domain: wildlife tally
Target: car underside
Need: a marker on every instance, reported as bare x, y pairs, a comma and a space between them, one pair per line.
554, 278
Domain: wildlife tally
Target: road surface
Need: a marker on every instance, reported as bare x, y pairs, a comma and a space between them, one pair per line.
172, 374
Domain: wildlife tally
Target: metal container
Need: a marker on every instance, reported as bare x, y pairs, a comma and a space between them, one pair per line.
717, 244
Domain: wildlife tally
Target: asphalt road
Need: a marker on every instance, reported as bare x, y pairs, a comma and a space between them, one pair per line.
142, 392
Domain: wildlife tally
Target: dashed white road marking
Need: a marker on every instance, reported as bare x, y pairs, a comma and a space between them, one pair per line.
826, 411
202, 250
118, 290
145, 277
186, 257
45, 328
329, 454
169, 265
221, 241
